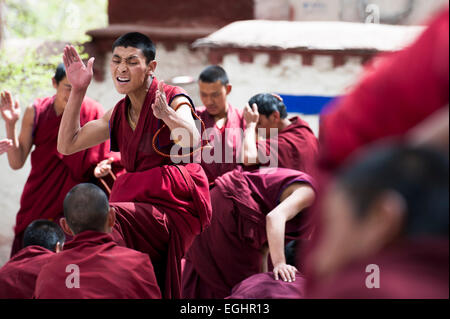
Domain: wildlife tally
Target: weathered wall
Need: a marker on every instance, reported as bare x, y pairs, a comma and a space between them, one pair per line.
417, 11
177, 13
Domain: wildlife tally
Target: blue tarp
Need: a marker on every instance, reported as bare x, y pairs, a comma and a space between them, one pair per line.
306, 104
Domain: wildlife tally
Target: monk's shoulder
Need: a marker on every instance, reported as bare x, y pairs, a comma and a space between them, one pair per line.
42, 104
201, 111
239, 115
173, 91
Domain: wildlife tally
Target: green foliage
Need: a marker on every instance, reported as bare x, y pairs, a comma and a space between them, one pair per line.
24, 71
53, 19
28, 75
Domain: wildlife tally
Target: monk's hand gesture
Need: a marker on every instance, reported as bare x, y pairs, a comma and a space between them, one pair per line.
161, 108
251, 115
284, 272
78, 74
5, 145
103, 168
10, 109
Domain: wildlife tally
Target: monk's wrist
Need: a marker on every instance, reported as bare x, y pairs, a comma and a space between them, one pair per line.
78, 91
169, 116
251, 125
10, 129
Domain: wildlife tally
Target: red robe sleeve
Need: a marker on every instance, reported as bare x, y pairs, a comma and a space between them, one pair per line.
395, 95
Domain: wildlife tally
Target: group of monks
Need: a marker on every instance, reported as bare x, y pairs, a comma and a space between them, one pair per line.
157, 198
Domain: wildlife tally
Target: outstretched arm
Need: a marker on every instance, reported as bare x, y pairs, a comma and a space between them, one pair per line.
20, 145
72, 137
294, 199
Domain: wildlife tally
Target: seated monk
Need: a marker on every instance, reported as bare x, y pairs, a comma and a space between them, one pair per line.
271, 139
41, 240
150, 127
224, 123
52, 174
385, 231
263, 286
92, 265
254, 212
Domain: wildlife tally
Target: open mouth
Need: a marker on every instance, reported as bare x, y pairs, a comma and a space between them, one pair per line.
122, 79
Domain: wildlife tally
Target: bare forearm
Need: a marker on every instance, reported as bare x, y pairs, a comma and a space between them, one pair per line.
294, 199
275, 235
250, 151
16, 156
70, 123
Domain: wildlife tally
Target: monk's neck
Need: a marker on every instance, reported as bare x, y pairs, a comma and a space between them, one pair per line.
284, 124
221, 118
59, 107
137, 97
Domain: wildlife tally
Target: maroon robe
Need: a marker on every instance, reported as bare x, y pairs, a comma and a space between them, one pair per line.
396, 93
264, 286
298, 147
228, 138
229, 251
178, 195
412, 269
53, 174
18, 276
401, 91
106, 271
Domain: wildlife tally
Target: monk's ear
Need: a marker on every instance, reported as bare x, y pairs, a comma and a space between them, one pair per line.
275, 117
152, 67
111, 217
55, 85
59, 247
385, 220
228, 88
65, 227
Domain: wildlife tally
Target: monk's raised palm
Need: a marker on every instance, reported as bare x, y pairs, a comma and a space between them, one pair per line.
160, 106
10, 110
251, 114
78, 74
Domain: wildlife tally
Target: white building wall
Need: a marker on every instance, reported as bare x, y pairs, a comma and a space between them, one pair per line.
248, 79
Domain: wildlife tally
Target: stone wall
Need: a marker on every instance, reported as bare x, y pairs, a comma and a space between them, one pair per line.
403, 12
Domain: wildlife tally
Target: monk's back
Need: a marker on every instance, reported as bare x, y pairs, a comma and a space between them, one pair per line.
93, 266
18, 276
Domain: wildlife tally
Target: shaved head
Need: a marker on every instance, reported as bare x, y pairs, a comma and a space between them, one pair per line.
43, 233
86, 207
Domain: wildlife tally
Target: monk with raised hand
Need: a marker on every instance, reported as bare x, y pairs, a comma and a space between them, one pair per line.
224, 123
52, 173
149, 126
272, 139
5, 145
93, 265
42, 239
